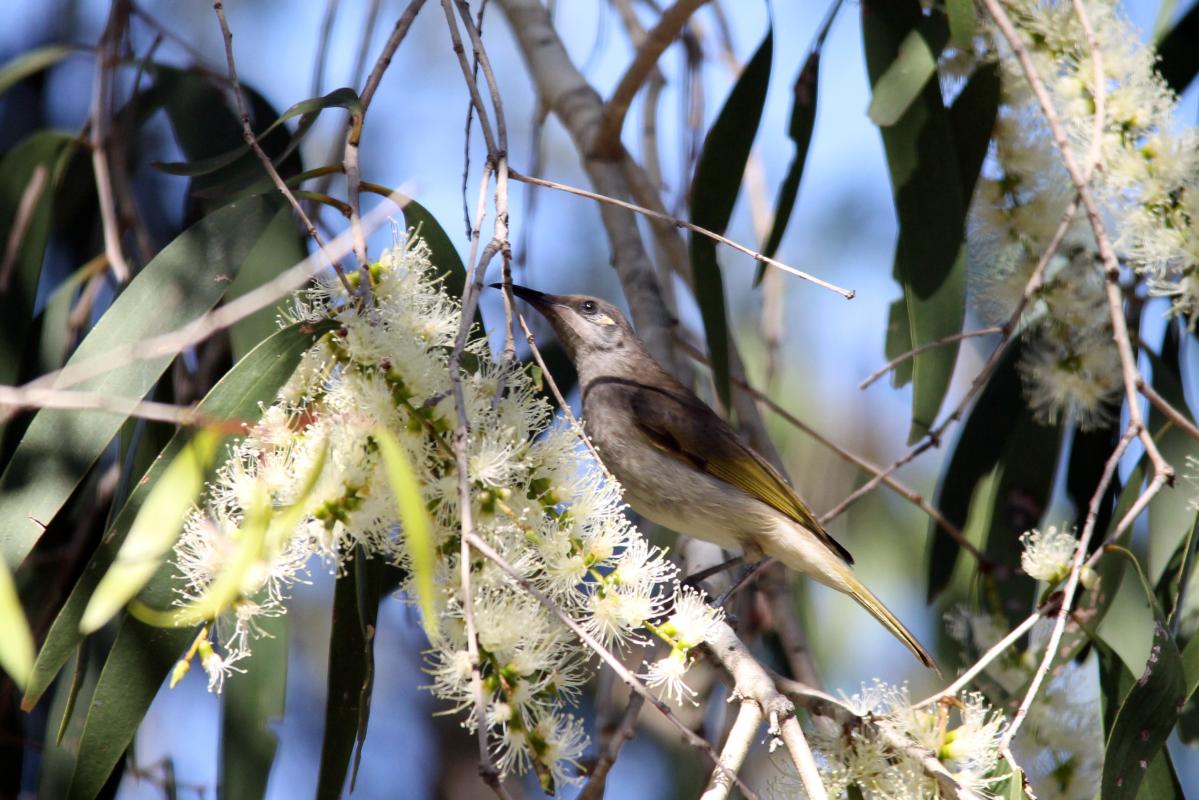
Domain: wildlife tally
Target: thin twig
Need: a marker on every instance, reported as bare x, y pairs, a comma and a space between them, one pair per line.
622, 672
848, 294
657, 39
899, 359
101, 120
597, 781
17, 398
1163, 405
487, 769
30, 195
1072, 583
986, 658
248, 135
389, 50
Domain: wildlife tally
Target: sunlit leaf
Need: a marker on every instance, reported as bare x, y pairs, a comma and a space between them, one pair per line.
930, 260
253, 380
32, 62
906, 76
154, 531
16, 642
410, 504
179, 284
963, 22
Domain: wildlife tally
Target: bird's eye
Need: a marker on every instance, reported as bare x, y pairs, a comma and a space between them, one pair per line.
588, 307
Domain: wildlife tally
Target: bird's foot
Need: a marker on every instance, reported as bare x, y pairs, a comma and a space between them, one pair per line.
695, 579
748, 574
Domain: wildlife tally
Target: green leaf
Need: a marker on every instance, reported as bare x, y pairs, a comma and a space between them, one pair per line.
351, 670
278, 249
899, 342
1176, 576
253, 380
140, 659
972, 117
64, 724
59, 447
1178, 52
963, 22
714, 194
905, 78
930, 259
803, 120
248, 705
154, 531
309, 109
16, 642
32, 62
410, 504
1146, 715
442, 253
979, 448
29, 174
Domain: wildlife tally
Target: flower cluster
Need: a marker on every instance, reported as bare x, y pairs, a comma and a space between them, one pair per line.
878, 754
1060, 744
1145, 186
686, 628
311, 467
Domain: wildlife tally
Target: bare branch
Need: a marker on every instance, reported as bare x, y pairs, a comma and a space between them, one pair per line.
30, 196
18, 398
248, 135
736, 748
848, 294
594, 788
899, 359
101, 121
657, 39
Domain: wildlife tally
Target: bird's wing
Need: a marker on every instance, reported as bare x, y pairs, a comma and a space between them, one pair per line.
681, 425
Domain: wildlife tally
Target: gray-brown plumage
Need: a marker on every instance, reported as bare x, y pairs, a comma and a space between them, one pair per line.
681, 465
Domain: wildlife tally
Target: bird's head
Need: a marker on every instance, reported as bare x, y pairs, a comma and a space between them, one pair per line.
588, 327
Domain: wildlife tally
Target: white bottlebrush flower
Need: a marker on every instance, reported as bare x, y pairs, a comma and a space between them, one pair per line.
667, 676
1048, 554
537, 498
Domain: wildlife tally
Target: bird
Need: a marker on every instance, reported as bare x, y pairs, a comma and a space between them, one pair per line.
682, 466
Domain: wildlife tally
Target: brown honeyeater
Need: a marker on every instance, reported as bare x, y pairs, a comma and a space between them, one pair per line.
682, 466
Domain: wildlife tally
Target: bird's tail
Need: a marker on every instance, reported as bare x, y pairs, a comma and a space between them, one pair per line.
868, 601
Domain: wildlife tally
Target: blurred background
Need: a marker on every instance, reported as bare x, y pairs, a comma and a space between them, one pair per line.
843, 230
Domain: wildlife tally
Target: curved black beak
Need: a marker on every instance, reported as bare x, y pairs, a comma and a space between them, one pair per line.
539, 300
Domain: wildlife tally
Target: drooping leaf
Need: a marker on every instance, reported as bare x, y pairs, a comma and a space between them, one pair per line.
930, 261
899, 342
442, 252
249, 704
1178, 52
28, 176
906, 76
16, 642
1146, 715
158, 524
59, 446
253, 380
972, 117
351, 670
410, 505
799, 129
980, 446
308, 110
64, 724
714, 194
140, 659
32, 62
963, 22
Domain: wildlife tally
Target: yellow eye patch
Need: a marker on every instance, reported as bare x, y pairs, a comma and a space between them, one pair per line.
604, 319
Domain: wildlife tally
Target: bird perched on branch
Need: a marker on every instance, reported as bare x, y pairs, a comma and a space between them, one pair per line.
682, 466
